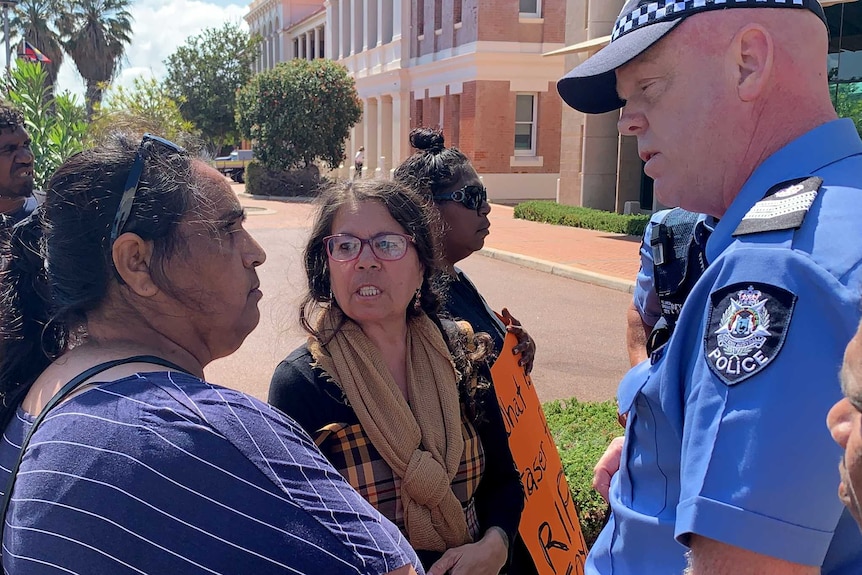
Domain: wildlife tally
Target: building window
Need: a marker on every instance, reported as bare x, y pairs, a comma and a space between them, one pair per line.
525, 124
456, 11
531, 8
438, 15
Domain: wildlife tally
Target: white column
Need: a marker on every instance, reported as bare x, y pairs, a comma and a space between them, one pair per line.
400, 127
372, 152
278, 41
384, 131
316, 36
308, 55
332, 30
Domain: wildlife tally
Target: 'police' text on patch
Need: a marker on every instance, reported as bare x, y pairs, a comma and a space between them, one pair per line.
747, 326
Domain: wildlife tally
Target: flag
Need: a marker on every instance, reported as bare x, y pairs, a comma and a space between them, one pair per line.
32, 54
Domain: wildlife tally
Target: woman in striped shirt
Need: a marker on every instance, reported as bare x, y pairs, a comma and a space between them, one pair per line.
135, 274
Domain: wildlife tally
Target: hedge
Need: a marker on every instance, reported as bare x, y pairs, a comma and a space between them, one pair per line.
259, 181
580, 217
582, 432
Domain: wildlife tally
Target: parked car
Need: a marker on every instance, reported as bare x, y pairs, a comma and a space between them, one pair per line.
234, 165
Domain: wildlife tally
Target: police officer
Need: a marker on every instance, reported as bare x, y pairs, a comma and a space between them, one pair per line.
725, 450
673, 257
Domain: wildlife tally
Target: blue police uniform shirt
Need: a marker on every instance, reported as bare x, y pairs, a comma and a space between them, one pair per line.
645, 298
738, 451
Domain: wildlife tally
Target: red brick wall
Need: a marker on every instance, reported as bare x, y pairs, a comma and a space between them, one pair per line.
548, 138
452, 119
467, 137
499, 21
481, 122
487, 128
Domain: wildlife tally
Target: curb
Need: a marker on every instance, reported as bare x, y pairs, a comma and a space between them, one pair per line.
561, 270
286, 199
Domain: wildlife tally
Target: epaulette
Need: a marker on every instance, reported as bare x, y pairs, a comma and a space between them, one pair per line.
783, 208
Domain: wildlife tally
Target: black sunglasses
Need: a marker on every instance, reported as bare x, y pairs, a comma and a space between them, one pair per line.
128, 198
471, 196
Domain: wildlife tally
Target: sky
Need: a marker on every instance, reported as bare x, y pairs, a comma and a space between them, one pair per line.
158, 29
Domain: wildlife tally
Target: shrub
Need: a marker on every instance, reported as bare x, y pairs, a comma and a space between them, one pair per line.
580, 217
582, 431
56, 124
299, 112
260, 181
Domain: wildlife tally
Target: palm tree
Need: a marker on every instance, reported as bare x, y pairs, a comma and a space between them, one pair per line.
36, 22
95, 35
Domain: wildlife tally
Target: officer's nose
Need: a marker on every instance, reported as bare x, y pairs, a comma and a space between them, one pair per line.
631, 122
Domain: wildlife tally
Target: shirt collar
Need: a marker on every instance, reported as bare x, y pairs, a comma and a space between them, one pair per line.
802, 157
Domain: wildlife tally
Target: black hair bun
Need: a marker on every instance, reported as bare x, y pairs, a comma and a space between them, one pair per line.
427, 139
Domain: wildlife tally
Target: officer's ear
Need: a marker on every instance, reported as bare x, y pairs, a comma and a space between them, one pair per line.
753, 51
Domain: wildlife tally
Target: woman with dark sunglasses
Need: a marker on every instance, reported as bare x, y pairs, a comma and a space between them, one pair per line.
446, 177
134, 274
399, 400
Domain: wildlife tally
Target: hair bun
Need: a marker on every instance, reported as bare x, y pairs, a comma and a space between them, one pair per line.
427, 139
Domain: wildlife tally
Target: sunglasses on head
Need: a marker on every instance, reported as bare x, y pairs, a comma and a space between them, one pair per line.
134, 179
472, 197
385, 246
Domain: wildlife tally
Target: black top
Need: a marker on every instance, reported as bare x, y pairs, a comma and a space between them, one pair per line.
465, 302
308, 396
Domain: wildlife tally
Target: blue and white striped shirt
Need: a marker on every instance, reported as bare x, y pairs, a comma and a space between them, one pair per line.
164, 473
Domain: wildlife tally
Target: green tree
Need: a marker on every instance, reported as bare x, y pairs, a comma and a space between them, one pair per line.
36, 21
95, 35
145, 107
204, 74
847, 99
297, 112
57, 124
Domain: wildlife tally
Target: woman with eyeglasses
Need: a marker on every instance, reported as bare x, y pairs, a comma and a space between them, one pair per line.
446, 177
118, 457
396, 397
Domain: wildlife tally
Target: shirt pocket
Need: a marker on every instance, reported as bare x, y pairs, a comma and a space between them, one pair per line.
643, 484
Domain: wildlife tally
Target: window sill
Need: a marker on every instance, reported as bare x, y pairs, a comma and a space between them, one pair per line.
457, 25
420, 37
438, 32
530, 19
526, 161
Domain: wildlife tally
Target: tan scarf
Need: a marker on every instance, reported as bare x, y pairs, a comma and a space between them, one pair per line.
423, 445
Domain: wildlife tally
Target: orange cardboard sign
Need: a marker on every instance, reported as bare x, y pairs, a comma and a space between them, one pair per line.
549, 525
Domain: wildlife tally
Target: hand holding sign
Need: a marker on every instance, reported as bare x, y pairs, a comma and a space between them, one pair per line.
526, 345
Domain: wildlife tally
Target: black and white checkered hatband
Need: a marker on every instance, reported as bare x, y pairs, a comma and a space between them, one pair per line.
639, 13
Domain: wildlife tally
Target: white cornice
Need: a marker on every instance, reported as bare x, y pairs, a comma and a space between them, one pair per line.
525, 71
316, 20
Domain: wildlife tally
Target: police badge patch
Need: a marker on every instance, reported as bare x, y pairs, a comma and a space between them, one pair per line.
747, 326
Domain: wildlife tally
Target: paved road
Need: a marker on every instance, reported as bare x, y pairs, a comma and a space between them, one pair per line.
579, 327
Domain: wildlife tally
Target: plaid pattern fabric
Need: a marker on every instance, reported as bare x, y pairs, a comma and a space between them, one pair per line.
351, 453
645, 12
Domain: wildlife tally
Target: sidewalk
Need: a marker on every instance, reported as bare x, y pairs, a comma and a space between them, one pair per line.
600, 258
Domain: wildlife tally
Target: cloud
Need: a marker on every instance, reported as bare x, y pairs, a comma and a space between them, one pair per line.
158, 29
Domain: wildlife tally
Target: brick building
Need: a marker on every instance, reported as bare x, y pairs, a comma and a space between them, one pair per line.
471, 67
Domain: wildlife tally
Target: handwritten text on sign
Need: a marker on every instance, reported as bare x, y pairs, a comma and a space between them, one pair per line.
549, 525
